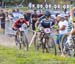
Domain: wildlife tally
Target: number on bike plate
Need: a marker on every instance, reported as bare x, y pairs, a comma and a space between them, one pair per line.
47, 30
21, 29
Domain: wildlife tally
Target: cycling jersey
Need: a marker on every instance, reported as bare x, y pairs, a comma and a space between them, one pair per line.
51, 19
18, 24
46, 23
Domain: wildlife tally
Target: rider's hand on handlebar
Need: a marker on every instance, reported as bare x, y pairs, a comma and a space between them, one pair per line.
14, 28
27, 26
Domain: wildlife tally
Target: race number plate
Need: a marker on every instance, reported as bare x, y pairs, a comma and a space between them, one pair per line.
21, 29
47, 30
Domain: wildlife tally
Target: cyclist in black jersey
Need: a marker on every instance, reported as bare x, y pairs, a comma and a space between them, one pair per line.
45, 23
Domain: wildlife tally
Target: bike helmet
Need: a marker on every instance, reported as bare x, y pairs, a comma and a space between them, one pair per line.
61, 15
47, 13
21, 16
66, 15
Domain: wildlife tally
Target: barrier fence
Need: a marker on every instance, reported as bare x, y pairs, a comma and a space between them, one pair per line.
8, 27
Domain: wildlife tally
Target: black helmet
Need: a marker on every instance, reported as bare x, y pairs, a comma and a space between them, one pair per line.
47, 13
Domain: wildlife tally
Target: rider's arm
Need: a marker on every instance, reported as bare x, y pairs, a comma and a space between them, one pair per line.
15, 23
39, 20
26, 22
42, 17
40, 25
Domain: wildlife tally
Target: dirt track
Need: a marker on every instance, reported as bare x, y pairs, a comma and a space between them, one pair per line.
7, 41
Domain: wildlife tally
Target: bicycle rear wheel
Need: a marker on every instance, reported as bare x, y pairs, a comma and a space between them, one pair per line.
25, 41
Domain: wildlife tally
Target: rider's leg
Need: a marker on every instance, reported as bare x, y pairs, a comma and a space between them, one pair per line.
57, 41
16, 36
39, 33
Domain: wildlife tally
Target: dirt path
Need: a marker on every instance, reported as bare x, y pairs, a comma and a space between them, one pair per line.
7, 41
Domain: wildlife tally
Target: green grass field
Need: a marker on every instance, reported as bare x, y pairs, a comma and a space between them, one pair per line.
14, 56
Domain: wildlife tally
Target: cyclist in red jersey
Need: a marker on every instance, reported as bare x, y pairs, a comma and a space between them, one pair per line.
17, 24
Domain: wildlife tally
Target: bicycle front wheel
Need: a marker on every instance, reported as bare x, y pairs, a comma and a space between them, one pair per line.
18, 40
52, 46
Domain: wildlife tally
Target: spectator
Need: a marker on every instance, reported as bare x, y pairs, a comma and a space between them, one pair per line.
8, 23
34, 19
16, 13
62, 25
27, 16
2, 17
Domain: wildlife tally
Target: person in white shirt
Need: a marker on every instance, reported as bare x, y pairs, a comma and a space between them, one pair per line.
65, 24
61, 29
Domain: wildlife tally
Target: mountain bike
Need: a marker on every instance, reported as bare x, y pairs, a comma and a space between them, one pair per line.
21, 38
47, 42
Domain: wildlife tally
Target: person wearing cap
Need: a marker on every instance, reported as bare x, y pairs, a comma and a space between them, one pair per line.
61, 29
68, 27
34, 19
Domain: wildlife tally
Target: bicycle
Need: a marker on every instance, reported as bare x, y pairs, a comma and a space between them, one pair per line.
67, 49
47, 42
21, 39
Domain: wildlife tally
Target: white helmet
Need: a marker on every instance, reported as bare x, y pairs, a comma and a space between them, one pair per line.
53, 16
21, 16
61, 15
66, 15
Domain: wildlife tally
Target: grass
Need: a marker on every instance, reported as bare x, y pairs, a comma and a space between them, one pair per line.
14, 56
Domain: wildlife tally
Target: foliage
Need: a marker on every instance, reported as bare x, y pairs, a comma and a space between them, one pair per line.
36, 1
